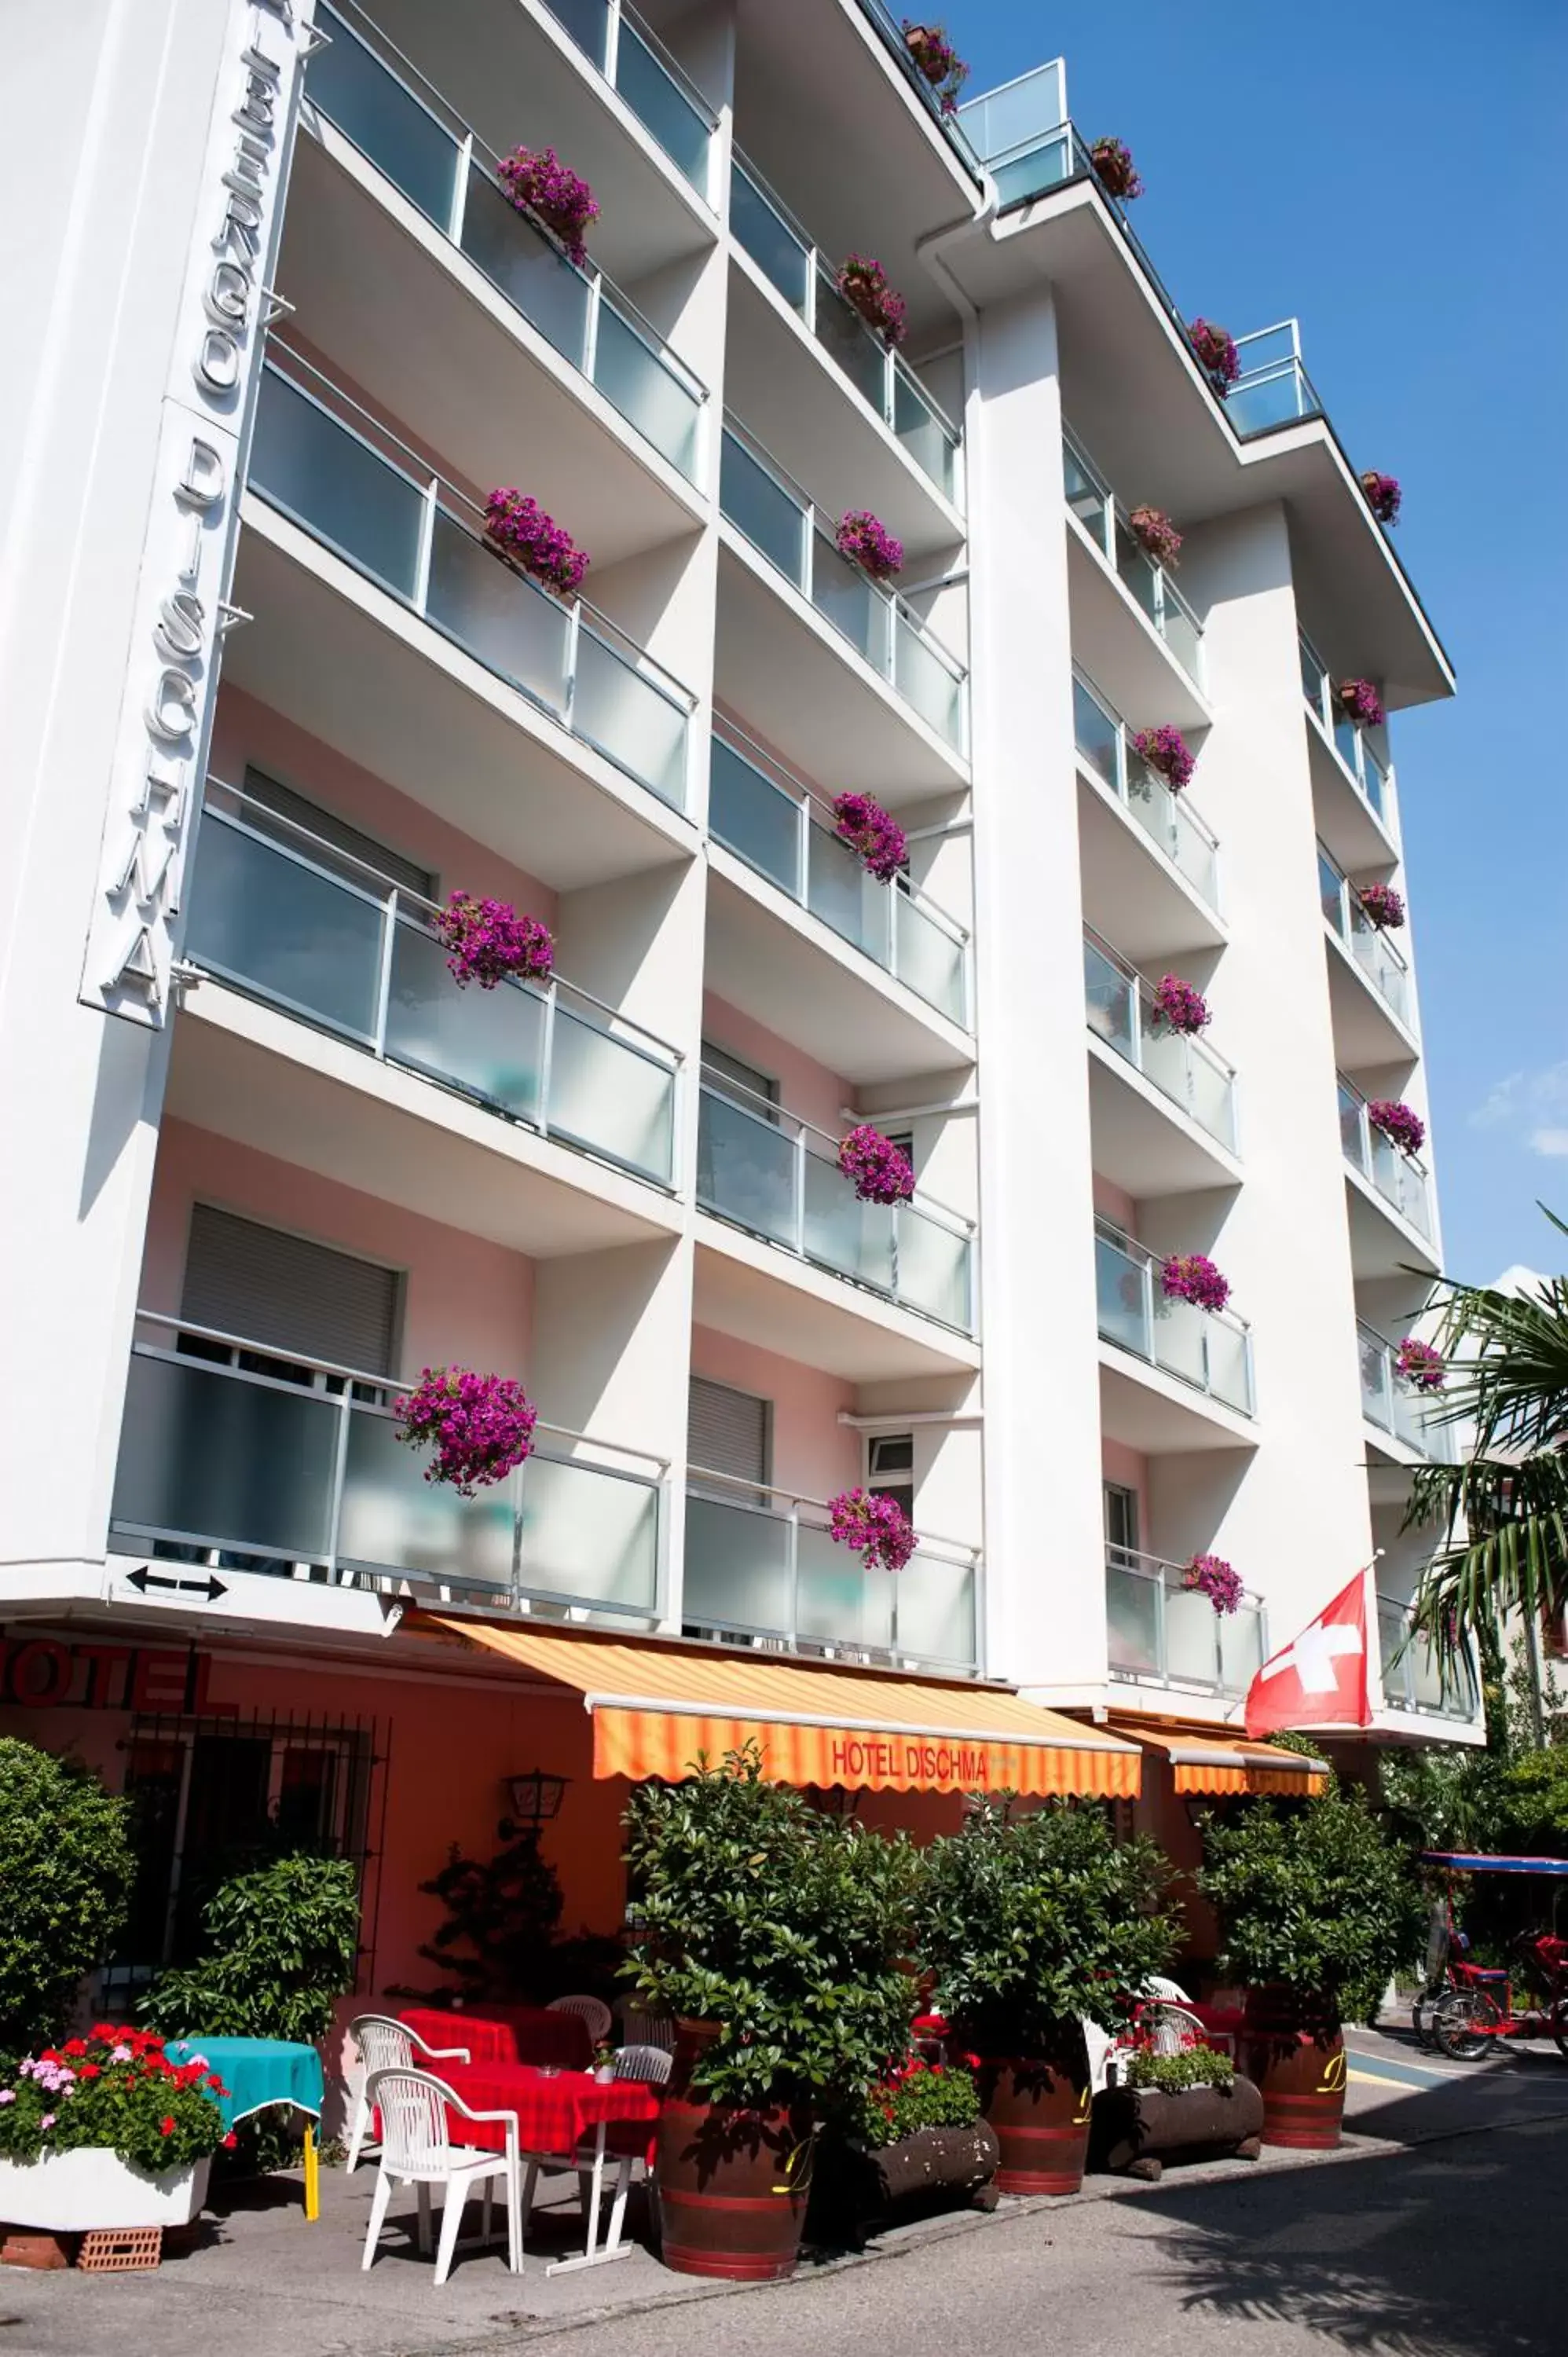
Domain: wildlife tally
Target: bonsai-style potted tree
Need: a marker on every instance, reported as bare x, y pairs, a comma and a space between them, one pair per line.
778, 1938
1317, 1908
1032, 1924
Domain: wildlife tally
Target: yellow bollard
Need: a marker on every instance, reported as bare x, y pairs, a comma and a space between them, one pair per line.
312, 2173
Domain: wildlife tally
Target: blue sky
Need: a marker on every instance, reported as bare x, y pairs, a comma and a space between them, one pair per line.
1392, 174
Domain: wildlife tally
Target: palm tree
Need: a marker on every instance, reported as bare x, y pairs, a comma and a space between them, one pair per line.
1504, 1510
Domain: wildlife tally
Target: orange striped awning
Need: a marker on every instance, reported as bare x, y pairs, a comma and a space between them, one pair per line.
1209, 1759
655, 1707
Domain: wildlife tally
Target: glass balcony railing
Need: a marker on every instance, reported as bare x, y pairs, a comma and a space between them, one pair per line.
416, 535
1413, 1678
1369, 770
1150, 586
1212, 1351
890, 29
1402, 1408
779, 519
1370, 947
1121, 1011
766, 1171
794, 267
635, 62
1173, 826
782, 833
1399, 1179
289, 920
417, 143
1160, 1633
234, 1455
758, 1565
1273, 388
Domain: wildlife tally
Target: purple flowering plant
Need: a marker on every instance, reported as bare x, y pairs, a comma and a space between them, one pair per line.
879, 1171
1178, 1006
863, 284
1155, 534
542, 184
518, 527
1115, 168
937, 60
1192, 1276
1399, 1123
868, 543
486, 939
1217, 354
875, 1525
1384, 495
1360, 703
481, 1427
1211, 1576
1421, 1366
1165, 750
860, 821
1382, 905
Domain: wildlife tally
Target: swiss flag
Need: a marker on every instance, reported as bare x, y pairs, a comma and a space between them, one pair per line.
1321, 1679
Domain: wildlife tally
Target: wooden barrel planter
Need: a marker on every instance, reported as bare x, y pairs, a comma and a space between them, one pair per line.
856, 2187
731, 2186
1298, 2066
1040, 2113
1136, 2131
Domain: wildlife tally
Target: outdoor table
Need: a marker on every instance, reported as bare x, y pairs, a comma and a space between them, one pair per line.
557, 2112
261, 2075
507, 2033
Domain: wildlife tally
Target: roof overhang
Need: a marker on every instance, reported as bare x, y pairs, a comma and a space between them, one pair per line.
1202, 1760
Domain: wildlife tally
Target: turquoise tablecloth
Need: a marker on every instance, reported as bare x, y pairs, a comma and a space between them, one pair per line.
257, 2072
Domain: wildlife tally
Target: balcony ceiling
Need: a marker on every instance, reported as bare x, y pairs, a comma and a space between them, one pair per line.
1141, 1408
1132, 385
1143, 1143
757, 1293
1366, 1029
1121, 650
1382, 1243
1132, 896
1342, 817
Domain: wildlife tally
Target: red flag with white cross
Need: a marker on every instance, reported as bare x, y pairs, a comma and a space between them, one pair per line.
1320, 1680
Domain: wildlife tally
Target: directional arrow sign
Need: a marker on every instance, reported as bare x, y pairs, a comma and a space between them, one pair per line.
207, 1585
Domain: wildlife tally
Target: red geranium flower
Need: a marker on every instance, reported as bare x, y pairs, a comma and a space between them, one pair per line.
74, 2046
91, 2070
230, 2141
166, 2126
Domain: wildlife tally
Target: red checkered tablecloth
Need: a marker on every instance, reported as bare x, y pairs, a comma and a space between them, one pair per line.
555, 2114
505, 2033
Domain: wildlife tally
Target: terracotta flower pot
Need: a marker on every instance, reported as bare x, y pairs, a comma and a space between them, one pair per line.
1040, 2111
1295, 2055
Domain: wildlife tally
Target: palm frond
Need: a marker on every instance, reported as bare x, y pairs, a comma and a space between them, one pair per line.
1507, 1526
1508, 1364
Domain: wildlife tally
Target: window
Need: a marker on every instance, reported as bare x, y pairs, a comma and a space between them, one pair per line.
747, 1086
362, 850
729, 1431
890, 1468
1120, 1518
283, 1290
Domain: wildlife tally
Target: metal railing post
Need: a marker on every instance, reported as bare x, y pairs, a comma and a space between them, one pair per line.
547, 1054
432, 497
383, 979
574, 631
800, 1192
465, 157
339, 1475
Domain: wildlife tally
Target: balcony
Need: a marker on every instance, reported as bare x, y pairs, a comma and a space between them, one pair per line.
787, 834
401, 124
1159, 1633
795, 268
635, 62
762, 1567
778, 520
1151, 586
233, 1456
1412, 1679
290, 921
419, 538
764, 1170
1411, 1417
1273, 388
1354, 785
1208, 1352
1380, 1029
1156, 907
1120, 1004
1400, 1180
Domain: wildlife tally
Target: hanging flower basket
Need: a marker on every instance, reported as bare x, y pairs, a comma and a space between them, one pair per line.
1384, 495
1217, 354
1165, 750
1179, 1007
1382, 905
1398, 1123
1155, 534
1192, 1276
1419, 1365
517, 528
1115, 170
1211, 1576
542, 184
486, 940
869, 544
862, 283
481, 1427
880, 1173
875, 1525
1360, 703
936, 58
861, 822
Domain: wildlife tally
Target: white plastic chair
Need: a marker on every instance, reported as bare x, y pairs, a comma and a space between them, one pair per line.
415, 2150
639, 2028
386, 2045
591, 2009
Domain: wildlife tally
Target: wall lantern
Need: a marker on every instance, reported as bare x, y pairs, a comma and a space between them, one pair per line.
536, 1796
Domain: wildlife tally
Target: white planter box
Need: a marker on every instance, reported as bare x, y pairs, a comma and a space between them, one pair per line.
71, 2192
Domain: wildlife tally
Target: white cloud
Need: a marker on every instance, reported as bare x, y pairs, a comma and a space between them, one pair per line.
1548, 1142
1539, 1098
1497, 1103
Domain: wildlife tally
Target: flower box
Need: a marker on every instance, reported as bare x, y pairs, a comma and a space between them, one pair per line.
72, 2192
1115, 170
1384, 495
856, 2187
1134, 2131
1217, 354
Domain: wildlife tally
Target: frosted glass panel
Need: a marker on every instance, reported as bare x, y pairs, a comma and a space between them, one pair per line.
756, 818
842, 1232
737, 1568
769, 239
659, 103
745, 1168
1122, 1297
394, 1521
1133, 1620
284, 928
329, 480
212, 1457
383, 119
1192, 1649
489, 1041
936, 1610
530, 271
627, 717
655, 400
840, 1601
607, 1095
589, 1534
772, 519
516, 629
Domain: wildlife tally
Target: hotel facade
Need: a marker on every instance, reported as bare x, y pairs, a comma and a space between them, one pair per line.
273, 698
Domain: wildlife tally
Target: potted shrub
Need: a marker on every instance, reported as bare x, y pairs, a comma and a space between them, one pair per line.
1359, 702
67, 1869
1115, 170
555, 196
104, 2131
914, 2140
1384, 495
936, 60
863, 284
1316, 1910
1217, 354
776, 1937
1155, 534
1032, 1924
1190, 2106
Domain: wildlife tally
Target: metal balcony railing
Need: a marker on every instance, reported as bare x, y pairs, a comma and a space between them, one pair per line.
1120, 1004
244, 1456
1150, 586
635, 61
1366, 768
1413, 1678
1211, 1350
1370, 947
290, 920
760, 1564
1399, 1179
1160, 1633
1172, 824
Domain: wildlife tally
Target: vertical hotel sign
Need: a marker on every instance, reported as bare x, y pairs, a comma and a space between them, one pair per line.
171, 681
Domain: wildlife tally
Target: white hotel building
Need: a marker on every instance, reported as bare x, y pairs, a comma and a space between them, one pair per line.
269, 699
